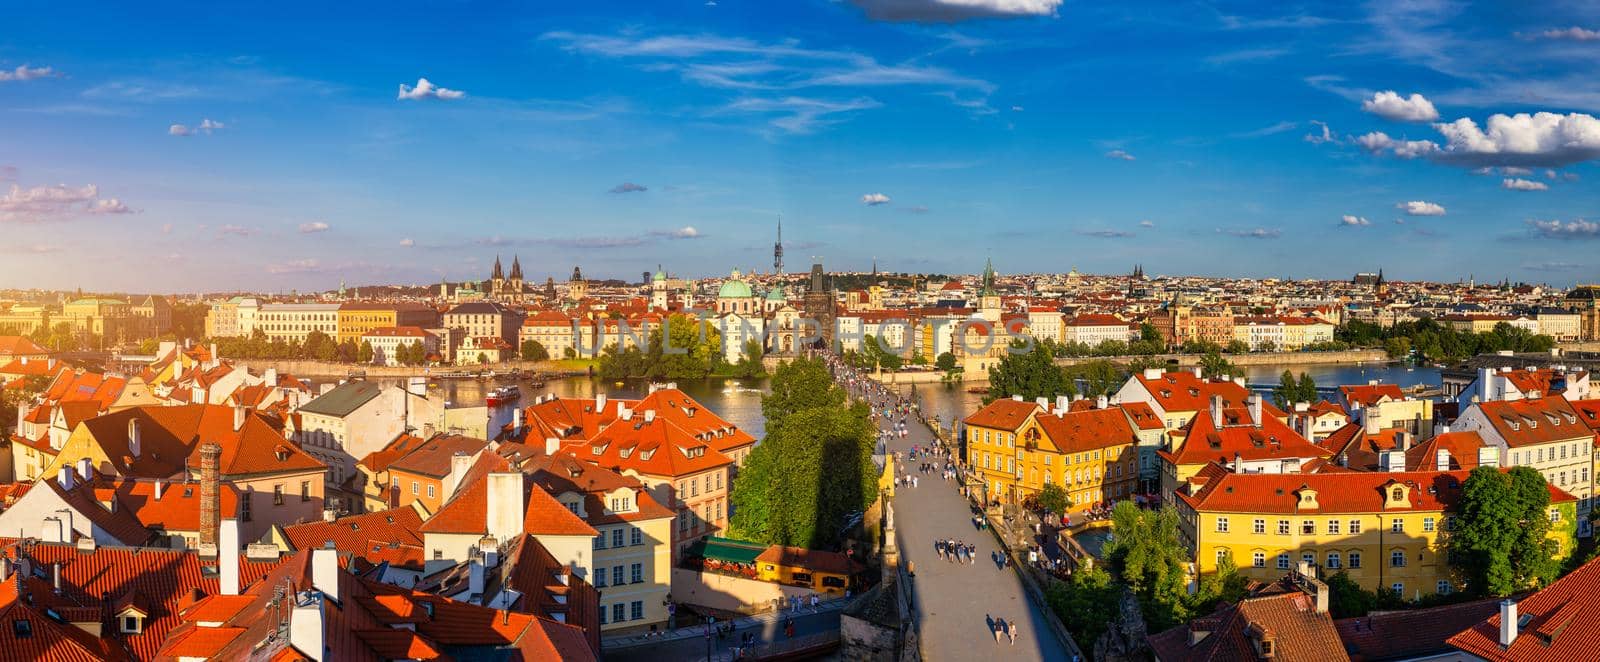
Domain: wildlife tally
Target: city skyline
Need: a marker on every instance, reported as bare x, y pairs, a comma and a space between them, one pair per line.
266, 153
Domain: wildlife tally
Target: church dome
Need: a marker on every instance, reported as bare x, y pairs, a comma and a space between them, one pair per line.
660, 277
776, 293
734, 288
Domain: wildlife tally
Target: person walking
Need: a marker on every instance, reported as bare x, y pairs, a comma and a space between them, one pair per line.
999, 626
1011, 631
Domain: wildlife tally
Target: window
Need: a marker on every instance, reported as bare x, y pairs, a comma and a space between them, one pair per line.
1308, 558
1355, 527
430, 491
1283, 527
305, 490
1222, 525
600, 541
636, 536
636, 609
1427, 524
1443, 587
1333, 526
1260, 526
130, 625
1283, 561
616, 537
1555, 515
415, 488
619, 612
1258, 559
600, 578
1397, 494
636, 573
277, 495
1398, 588
616, 576
1308, 527
22, 628
1397, 525
1397, 559
1222, 555
1355, 560
1333, 560
438, 554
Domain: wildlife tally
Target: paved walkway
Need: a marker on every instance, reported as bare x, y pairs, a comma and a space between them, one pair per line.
690, 643
954, 601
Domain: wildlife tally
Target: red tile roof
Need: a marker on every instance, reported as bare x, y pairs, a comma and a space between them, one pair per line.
1298, 630
468, 510
564, 472
1220, 490
1462, 447
1563, 623
170, 438
1412, 633
1532, 422
1142, 415
1204, 441
20, 345
1366, 395
432, 458
810, 559
1092, 429
1003, 414
386, 535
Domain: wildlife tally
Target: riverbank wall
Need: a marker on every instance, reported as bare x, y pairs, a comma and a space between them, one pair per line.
1253, 358
329, 369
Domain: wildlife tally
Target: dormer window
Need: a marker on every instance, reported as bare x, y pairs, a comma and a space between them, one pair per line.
1397, 494
130, 624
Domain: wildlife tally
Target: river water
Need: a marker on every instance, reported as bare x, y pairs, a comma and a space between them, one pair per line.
739, 400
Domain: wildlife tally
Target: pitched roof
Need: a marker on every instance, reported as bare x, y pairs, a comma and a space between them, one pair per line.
1290, 618
344, 399
1215, 489
14, 345
1183, 391
432, 458
1462, 448
379, 460
563, 472
1003, 414
467, 511
170, 439
810, 559
1092, 429
1207, 441
1410, 633
1142, 415
178, 509
1562, 623
361, 535
1532, 422
1366, 395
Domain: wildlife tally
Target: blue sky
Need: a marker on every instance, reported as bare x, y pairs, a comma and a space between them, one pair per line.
151, 147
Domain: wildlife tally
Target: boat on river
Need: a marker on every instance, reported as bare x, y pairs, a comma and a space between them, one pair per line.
503, 395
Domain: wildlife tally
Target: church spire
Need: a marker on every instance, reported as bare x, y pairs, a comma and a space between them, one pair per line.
516, 268
498, 273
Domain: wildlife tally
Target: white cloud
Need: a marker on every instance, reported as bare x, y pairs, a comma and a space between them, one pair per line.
1325, 136
951, 11
46, 203
1254, 233
801, 115
1577, 229
1523, 185
1357, 221
1119, 154
1421, 208
236, 230
1528, 140
109, 206
629, 187
874, 199
206, 126
1390, 105
1147, 224
25, 72
685, 232
314, 227
1573, 33
426, 89
408, 242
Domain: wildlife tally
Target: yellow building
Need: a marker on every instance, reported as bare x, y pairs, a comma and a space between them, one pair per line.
1380, 527
1018, 447
23, 319
357, 319
111, 319
823, 572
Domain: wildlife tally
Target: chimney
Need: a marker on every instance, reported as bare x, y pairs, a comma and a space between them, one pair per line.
506, 502
1152, 373
228, 557
160, 485
1442, 459
306, 629
209, 455
427, 430
1199, 372
86, 469
1216, 410
1489, 456
1102, 402
214, 358
325, 572
1063, 403
67, 477
516, 420
55, 577
177, 368
649, 415
238, 417
329, 514
1239, 380
1484, 376
1255, 409
475, 582
133, 436
22, 413
600, 403
551, 445
5, 568
1394, 461
1017, 397
459, 464
1238, 463
1508, 622
1372, 420
1043, 402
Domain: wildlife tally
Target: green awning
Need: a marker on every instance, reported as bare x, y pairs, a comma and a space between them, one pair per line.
727, 550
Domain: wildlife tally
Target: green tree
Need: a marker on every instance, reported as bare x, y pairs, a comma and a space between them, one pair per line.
1213, 365
1224, 585
798, 385
749, 364
533, 350
1147, 554
811, 473
1499, 543
1308, 389
1237, 347
1348, 600
364, 354
1054, 498
1149, 333
1086, 603
1031, 375
946, 362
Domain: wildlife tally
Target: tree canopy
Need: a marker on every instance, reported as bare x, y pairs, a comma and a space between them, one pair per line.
1031, 375
1499, 542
